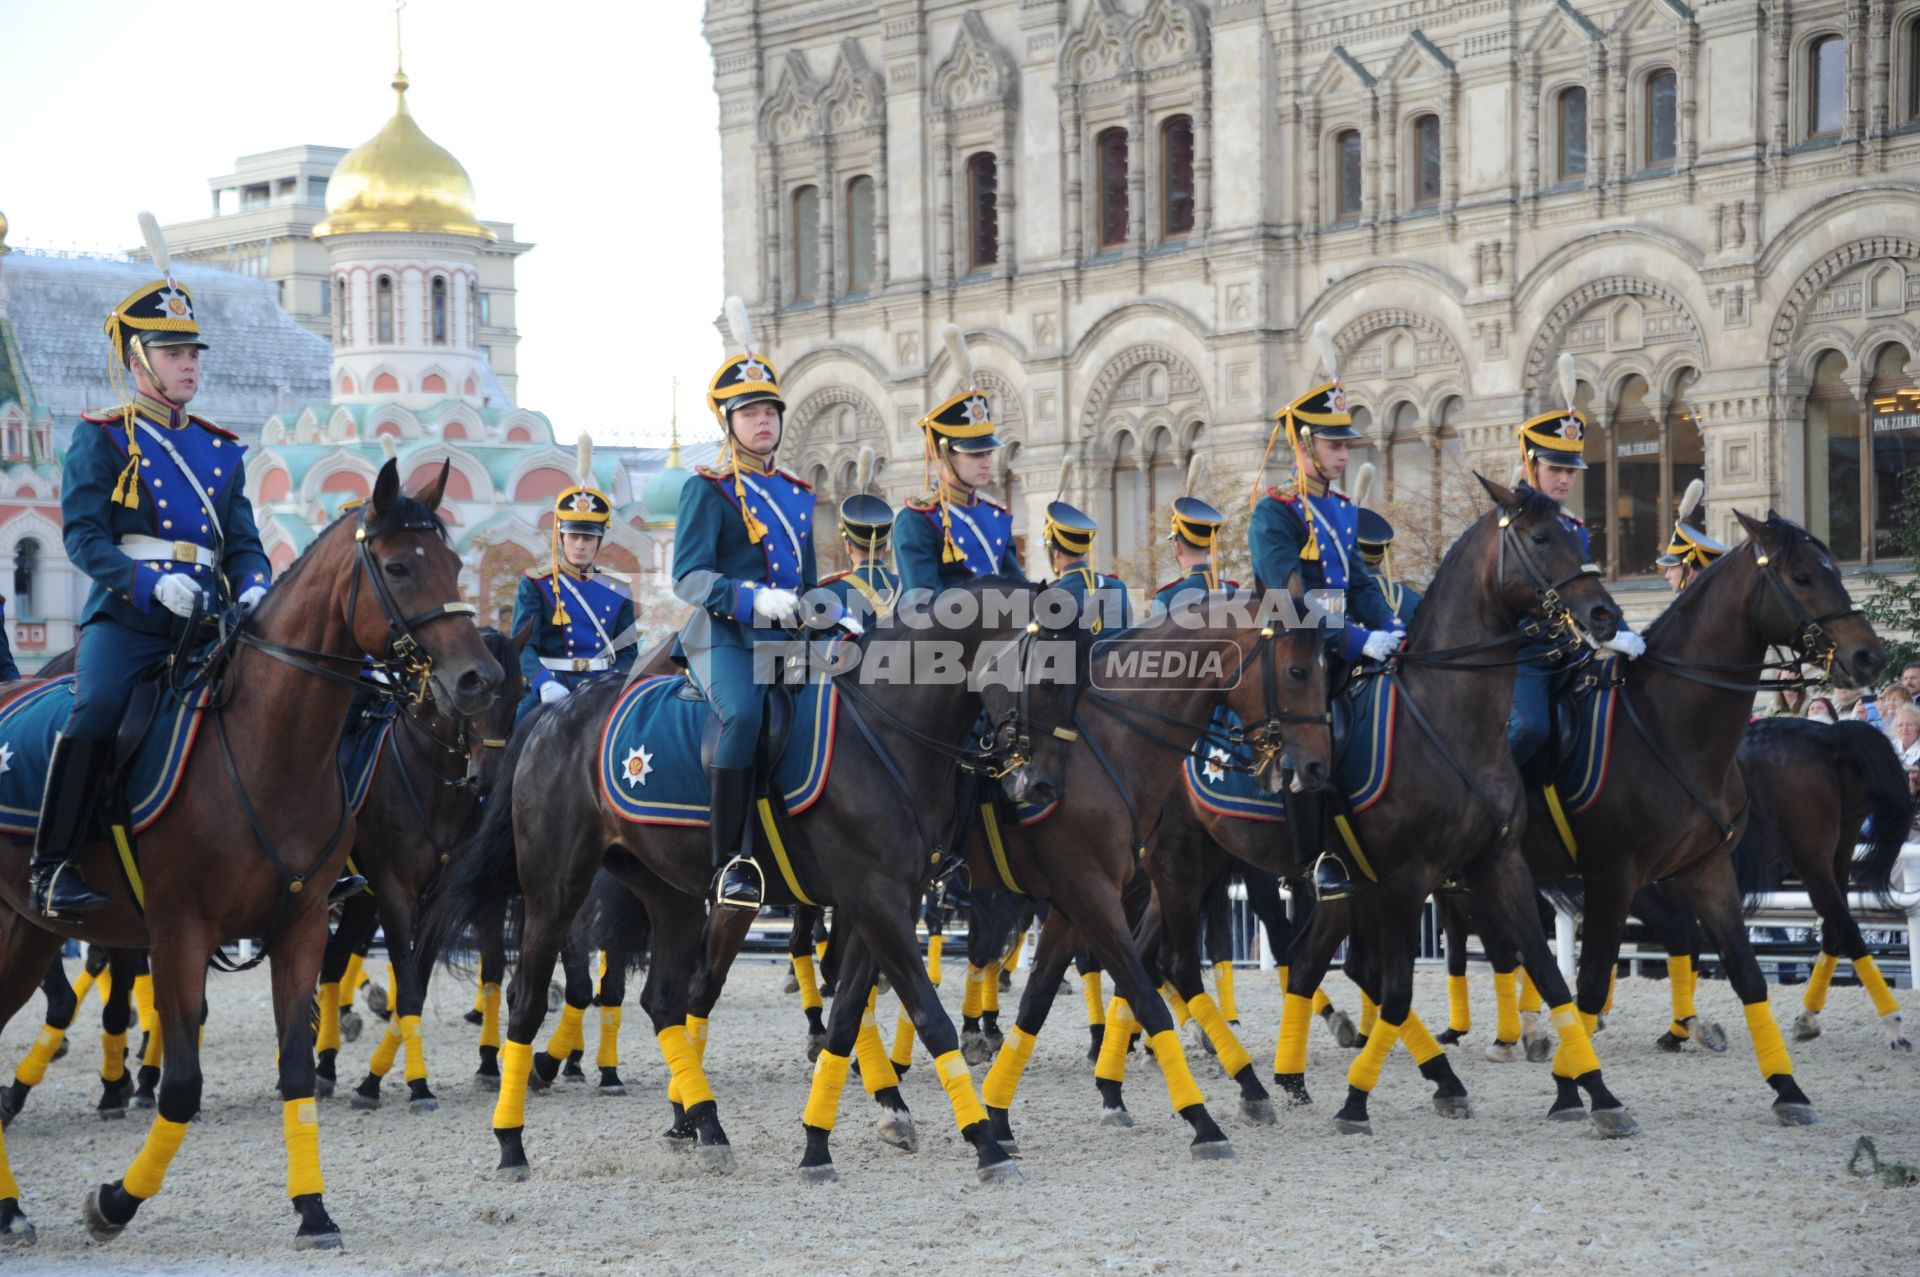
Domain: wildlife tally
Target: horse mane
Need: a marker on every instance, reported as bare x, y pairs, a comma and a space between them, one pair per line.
404, 511
1788, 537
1533, 504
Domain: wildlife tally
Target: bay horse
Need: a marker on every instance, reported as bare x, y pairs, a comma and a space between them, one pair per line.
1813, 785
549, 829
1673, 801
259, 828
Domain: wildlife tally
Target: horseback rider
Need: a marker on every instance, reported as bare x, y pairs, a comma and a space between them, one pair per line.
1551, 448
1690, 550
1194, 530
578, 614
951, 533
1375, 542
1306, 525
1102, 599
156, 515
742, 558
869, 587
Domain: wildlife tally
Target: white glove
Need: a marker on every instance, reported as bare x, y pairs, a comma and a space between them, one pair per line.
776, 607
177, 592
851, 624
551, 691
1380, 644
250, 598
1627, 643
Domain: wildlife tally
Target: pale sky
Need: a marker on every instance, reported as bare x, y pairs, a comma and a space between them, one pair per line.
590, 125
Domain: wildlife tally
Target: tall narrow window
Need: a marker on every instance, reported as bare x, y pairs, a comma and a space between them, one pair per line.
1661, 108
1894, 425
983, 211
1176, 177
1833, 458
383, 310
1346, 174
439, 315
342, 327
1426, 161
859, 234
26, 561
806, 243
1826, 86
483, 303
1570, 120
1110, 148
1913, 71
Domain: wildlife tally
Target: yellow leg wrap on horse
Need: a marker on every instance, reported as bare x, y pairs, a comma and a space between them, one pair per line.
1529, 996
1181, 1088
9, 1186
1680, 974
34, 1067
327, 1036
809, 982
608, 1057
393, 991
1177, 1004
829, 1079
934, 945
903, 1035
1459, 1007
1096, 1004
82, 986
1868, 971
1013, 954
673, 1090
516, 1061
1590, 1021
952, 1068
1364, 1074
1420, 1044
113, 1056
1004, 1077
1613, 978
1282, 972
1768, 1046
566, 1037
1321, 1002
990, 989
1369, 1013
490, 1015
1290, 1049
684, 1065
1213, 1022
820, 950
975, 996
416, 1049
1223, 990
352, 978
300, 1123
1506, 1006
1574, 1056
697, 1026
480, 996
143, 1000
1815, 998
155, 1051
1112, 1065
149, 1168
382, 1061
876, 1070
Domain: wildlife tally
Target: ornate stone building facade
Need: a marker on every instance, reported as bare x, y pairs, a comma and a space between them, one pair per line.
1139, 209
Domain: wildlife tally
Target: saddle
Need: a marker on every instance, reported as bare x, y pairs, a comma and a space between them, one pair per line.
1563, 729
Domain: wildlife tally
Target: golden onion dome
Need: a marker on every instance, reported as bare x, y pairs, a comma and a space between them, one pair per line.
400, 180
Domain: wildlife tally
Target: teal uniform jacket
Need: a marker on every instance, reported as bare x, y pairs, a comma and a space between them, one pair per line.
1403, 599
1278, 534
1112, 609
982, 530
1531, 720
596, 605
1168, 596
867, 592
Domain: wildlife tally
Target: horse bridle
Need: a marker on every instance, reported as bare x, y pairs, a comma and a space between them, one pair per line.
1559, 616
1007, 744
1811, 642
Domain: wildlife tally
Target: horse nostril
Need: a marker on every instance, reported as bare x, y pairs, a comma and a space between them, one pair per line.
1316, 772
1042, 793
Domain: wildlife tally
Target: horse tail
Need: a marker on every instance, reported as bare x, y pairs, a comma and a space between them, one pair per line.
614, 921
483, 875
1888, 803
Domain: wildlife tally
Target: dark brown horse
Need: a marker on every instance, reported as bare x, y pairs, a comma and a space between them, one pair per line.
1674, 801
259, 828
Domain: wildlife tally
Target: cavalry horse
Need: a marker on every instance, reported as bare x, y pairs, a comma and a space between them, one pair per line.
260, 828
1673, 800
550, 828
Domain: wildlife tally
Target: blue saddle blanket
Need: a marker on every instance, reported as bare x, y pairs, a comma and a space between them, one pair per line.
361, 746
1583, 772
29, 724
650, 770
1217, 779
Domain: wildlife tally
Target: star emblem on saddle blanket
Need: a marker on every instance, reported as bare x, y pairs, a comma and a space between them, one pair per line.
637, 768
1212, 769
6, 758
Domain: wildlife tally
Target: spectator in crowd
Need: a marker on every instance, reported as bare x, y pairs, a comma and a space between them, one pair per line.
1851, 702
1893, 697
1820, 710
1789, 702
1910, 678
1906, 736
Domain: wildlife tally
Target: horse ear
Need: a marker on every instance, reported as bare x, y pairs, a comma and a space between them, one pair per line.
1756, 530
430, 495
386, 487
522, 636
1502, 495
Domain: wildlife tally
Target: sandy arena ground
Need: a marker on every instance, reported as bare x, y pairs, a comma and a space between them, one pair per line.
1711, 1184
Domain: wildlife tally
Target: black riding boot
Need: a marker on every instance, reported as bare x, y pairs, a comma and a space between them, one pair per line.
1310, 823
736, 883
75, 777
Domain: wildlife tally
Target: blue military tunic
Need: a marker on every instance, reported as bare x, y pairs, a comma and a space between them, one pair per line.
123, 630
1112, 610
717, 567
868, 591
1278, 535
599, 611
1194, 583
1531, 720
982, 530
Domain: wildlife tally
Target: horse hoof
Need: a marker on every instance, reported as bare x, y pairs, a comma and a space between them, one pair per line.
322, 1090
819, 1175
1709, 1034
363, 1103
15, 1228
425, 1104
141, 1101
1450, 1037
816, 1043
1806, 1027
1212, 1151
475, 1018
1795, 1114
60, 1052
1119, 1119
791, 986
1614, 1124
1503, 1052
1010, 1147
614, 1089
1600, 1023
717, 1159
112, 1115
350, 1025
1900, 1046
1259, 1112
1539, 1049
898, 1130
513, 1174
487, 1081
1344, 1034
1571, 1113
1454, 1106
377, 1000
1007, 1172
973, 1048
1670, 1042
99, 1227
319, 1241
1349, 1126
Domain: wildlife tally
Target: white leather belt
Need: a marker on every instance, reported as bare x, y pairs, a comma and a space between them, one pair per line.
152, 548
577, 664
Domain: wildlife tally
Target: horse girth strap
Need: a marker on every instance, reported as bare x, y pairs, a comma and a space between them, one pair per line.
1727, 827
1419, 717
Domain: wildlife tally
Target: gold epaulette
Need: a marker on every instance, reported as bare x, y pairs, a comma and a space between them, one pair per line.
924, 502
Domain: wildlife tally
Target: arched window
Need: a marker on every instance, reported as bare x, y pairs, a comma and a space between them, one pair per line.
1895, 417
342, 320
439, 312
806, 243
1833, 458
1110, 152
1570, 134
26, 561
1176, 177
1826, 86
1639, 528
1913, 71
859, 234
983, 211
1660, 136
1426, 161
383, 310
1346, 174
1129, 496
1409, 463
